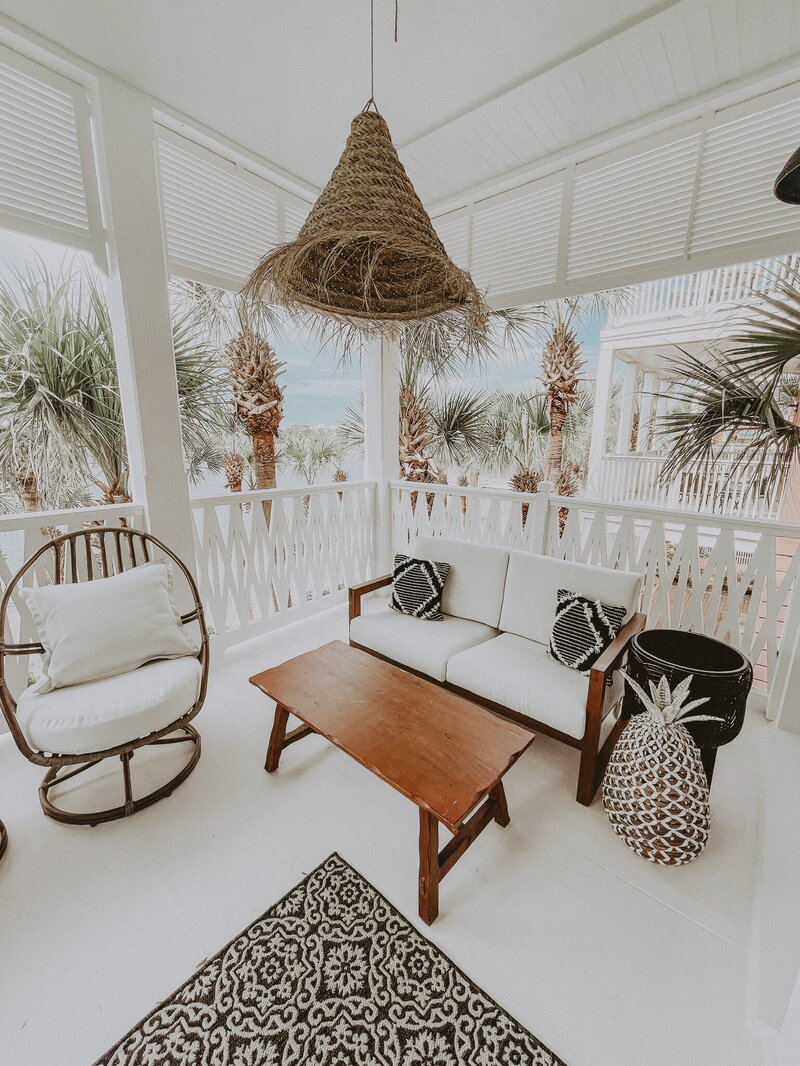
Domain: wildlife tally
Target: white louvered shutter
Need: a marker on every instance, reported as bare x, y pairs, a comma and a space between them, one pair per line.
453, 231
632, 213
741, 159
47, 180
220, 218
515, 240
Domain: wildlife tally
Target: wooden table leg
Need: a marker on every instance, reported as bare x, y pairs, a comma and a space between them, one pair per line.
498, 794
276, 739
428, 867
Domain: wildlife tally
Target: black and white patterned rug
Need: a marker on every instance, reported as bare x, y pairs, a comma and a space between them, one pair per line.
332, 975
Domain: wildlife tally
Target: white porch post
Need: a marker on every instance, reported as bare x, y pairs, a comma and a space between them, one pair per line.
626, 409
381, 375
140, 317
600, 414
646, 407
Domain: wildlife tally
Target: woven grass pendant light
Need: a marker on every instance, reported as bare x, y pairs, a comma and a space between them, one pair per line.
368, 249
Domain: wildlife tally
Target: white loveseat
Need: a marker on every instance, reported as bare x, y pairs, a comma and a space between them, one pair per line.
499, 608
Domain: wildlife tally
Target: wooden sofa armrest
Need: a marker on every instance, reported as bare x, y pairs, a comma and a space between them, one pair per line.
593, 758
355, 592
611, 658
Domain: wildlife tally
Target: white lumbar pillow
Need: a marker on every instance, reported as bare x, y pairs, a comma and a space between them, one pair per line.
96, 629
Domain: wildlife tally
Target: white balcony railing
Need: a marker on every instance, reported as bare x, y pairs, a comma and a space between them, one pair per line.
729, 577
693, 294
269, 557
718, 488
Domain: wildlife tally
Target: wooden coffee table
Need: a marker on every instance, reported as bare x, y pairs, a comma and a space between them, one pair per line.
443, 752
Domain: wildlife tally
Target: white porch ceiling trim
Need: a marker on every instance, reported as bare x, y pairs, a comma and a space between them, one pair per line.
696, 195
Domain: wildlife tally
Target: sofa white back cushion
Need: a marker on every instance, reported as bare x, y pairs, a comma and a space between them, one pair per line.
96, 629
414, 642
533, 581
474, 587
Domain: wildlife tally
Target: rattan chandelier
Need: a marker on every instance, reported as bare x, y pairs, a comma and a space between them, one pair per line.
368, 250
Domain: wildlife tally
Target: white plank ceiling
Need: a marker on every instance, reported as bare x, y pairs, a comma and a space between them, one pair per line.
559, 147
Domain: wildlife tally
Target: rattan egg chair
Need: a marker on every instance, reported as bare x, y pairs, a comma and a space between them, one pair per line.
82, 556
3, 839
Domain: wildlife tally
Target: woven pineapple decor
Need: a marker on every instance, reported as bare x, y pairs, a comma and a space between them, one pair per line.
655, 791
368, 249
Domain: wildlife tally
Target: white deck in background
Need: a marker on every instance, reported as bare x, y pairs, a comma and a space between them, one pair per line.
608, 959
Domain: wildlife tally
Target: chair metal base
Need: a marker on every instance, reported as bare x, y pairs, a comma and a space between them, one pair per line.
3, 840
131, 805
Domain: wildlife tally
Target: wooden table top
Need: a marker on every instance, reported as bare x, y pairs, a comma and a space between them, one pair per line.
443, 752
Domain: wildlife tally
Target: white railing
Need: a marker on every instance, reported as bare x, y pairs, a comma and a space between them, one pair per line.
690, 294
23, 534
719, 487
733, 578
269, 557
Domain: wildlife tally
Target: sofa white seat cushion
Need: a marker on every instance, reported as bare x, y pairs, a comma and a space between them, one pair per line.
413, 642
519, 674
109, 712
532, 584
474, 586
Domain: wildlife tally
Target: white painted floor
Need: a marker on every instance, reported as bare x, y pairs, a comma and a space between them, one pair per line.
608, 959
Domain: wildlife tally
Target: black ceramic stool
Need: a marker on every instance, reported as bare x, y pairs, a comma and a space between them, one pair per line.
720, 672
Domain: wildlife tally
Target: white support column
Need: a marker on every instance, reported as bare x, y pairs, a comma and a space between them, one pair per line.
600, 414
663, 397
627, 406
381, 375
140, 315
646, 407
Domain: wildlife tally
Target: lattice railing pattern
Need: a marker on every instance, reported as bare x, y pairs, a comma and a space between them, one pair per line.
482, 516
728, 577
280, 552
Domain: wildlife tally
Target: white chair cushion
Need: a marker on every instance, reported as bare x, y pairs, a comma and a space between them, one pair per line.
519, 674
474, 587
94, 629
413, 642
107, 713
532, 584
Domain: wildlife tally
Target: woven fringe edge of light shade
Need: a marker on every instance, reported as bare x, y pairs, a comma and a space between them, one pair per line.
316, 273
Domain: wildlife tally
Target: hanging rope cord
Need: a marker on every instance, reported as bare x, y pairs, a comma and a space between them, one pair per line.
371, 101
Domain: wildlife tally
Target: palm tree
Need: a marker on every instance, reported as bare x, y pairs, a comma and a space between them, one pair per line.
61, 427
257, 397
240, 327
433, 354
561, 365
747, 396
308, 451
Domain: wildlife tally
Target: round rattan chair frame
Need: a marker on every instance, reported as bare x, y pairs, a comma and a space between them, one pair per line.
117, 549
3, 840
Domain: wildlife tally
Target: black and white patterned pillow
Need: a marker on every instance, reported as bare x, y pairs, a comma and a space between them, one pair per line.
582, 630
417, 587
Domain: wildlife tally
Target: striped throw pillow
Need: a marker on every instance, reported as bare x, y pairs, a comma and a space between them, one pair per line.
582, 630
417, 587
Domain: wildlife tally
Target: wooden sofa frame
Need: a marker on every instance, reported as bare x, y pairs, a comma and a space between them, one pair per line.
594, 758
